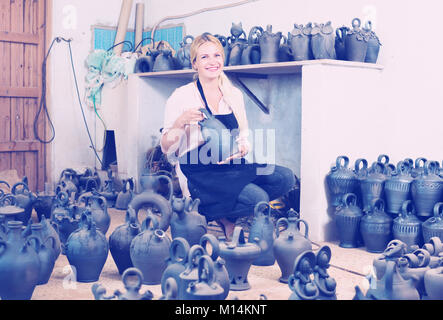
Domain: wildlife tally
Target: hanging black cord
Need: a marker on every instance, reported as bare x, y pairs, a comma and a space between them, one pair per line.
124, 41
139, 44
80, 102
43, 101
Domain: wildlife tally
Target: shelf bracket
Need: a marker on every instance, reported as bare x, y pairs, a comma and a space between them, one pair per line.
250, 94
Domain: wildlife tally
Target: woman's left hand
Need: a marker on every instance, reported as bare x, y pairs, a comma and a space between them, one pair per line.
242, 151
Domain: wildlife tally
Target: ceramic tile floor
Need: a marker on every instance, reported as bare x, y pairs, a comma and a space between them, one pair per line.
348, 267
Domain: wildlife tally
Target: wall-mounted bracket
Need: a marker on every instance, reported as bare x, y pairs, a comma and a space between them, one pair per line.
235, 77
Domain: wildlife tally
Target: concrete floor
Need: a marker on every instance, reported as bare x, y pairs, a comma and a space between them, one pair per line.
348, 267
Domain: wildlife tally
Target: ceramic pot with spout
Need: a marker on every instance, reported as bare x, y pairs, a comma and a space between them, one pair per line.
178, 257
323, 41
25, 199
186, 221
299, 40
121, 238
347, 218
220, 271
125, 196
427, 189
376, 227
224, 42
217, 138
190, 273
46, 250
433, 226
269, 45
340, 181
150, 198
43, 204
49, 229
340, 46
251, 53
68, 183
239, 256
397, 188
206, 287
87, 250
163, 61
262, 227
372, 184
97, 206
184, 52
237, 42
149, 251
356, 42
407, 227
289, 243
373, 44
19, 264
65, 217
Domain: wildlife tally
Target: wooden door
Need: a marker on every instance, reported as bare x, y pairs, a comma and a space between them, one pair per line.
22, 50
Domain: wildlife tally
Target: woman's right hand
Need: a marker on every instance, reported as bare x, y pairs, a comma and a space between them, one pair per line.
190, 116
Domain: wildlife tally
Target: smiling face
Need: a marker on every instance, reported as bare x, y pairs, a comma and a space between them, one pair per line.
209, 60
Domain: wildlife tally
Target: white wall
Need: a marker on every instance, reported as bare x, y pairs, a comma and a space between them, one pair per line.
408, 30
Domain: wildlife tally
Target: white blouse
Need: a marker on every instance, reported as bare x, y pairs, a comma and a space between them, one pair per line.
184, 98
188, 97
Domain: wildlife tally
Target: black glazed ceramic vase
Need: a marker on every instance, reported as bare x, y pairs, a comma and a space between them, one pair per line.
347, 218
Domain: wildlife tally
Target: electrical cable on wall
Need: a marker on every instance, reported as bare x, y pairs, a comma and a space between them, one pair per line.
181, 16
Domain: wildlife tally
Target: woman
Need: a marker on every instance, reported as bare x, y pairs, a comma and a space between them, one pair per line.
230, 188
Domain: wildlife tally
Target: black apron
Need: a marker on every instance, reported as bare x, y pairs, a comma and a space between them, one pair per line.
217, 186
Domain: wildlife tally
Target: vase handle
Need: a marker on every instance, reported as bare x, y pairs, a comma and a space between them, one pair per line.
338, 162
194, 254
350, 199
258, 209
438, 209
206, 270
215, 244
356, 23
280, 221
238, 237
306, 227
383, 158
364, 166
178, 250
407, 208
132, 272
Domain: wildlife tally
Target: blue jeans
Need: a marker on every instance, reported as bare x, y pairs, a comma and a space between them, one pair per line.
263, 188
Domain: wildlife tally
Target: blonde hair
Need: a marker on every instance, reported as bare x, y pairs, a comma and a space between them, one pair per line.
232, 97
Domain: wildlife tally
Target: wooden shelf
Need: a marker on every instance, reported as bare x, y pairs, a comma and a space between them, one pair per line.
264, 69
